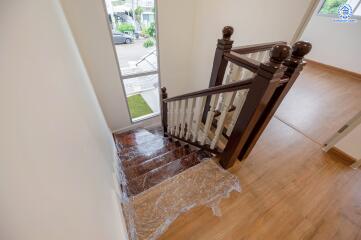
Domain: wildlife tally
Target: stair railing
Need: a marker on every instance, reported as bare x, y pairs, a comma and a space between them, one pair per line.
258, 78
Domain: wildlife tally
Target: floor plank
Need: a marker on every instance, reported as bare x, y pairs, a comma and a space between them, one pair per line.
321, 102
291, 190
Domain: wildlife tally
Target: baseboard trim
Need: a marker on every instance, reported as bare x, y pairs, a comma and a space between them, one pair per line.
341, 154
146, 123
333, 68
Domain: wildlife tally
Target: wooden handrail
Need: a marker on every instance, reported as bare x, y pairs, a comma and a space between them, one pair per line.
214, 90
256, 47
253, 108
242, 61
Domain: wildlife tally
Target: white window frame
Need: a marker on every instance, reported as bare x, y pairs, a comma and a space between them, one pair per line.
147, 73
358, 5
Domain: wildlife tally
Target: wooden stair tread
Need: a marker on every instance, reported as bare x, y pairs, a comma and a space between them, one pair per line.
146, 166
147, 158
134, 137
144, 152
158, 175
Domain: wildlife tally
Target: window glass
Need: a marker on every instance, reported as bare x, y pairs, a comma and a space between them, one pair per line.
331, 6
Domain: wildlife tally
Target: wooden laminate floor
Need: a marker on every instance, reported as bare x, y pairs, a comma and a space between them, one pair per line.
321, 102
291, 189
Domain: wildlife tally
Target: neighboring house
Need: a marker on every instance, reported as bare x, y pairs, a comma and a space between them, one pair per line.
148, 15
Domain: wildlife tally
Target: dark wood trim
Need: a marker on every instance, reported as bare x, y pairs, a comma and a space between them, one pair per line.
231, 87
267, 89
164, 110
294, 67
242, 61
256, 47
196, 144
224, 45
263, 86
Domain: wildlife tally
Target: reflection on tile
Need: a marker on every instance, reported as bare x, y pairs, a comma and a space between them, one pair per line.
145, 152
160, 174
156, 162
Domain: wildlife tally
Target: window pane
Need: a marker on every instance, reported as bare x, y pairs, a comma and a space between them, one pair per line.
358, 11
134, 34
353, 4
331, 6
142, 96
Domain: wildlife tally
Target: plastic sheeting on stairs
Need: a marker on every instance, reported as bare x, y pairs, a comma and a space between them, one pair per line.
151, 212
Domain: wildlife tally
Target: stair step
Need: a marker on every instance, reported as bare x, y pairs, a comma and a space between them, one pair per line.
140, 169
157, 130
158, 175
144, 152
148, 158
133, 138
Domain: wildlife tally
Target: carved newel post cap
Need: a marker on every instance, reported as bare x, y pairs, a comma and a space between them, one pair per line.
301, 48
164, 92
279, 53
227, 32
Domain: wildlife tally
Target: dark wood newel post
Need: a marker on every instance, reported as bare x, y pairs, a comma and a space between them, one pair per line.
224, 45
164, 110
294, 66
263, 86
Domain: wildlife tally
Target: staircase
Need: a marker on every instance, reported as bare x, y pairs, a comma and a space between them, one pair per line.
147, 158
246, 87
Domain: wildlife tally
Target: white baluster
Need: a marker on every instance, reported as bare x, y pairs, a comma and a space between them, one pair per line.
227, 100
228, 79
260, 56
176, 115
180, 118
210, 117
169, 117
265, 56
229, 73
236, 74
183, 118
254, 55
239, 102
202, 101
175, 112
190, 117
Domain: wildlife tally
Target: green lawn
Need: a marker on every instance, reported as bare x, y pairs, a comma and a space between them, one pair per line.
138, 106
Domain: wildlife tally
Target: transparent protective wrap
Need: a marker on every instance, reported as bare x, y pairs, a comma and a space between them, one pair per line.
150, 213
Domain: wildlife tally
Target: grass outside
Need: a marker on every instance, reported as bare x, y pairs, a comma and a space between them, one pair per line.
138, 106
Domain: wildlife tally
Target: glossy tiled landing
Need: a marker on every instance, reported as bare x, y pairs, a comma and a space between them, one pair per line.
147, 158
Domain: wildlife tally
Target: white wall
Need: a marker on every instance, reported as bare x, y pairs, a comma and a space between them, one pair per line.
335, 44
175, 24
56, 151
253, 22
88, 22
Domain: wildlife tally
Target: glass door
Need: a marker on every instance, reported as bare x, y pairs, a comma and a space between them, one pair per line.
134, 33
